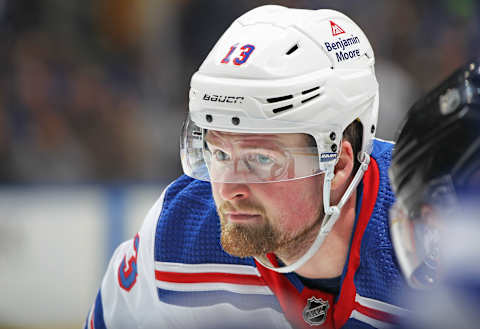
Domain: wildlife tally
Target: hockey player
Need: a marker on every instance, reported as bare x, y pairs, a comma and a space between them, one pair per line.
281, 218
435, 174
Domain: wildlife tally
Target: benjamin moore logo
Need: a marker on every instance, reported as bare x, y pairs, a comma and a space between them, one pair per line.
340, 48
336, 30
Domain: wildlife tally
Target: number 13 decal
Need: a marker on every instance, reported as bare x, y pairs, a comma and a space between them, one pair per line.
244, 55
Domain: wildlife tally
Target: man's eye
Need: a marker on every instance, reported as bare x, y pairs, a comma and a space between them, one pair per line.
221, 156
263, 159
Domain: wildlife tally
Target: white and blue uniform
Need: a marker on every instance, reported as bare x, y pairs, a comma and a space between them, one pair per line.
174, 273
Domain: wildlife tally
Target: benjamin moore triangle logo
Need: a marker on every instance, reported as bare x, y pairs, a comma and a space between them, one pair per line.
336, 30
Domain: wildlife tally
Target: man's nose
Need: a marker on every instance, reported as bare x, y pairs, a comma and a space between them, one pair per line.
233, 191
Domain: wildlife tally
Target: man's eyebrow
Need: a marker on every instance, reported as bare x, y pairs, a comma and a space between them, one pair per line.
210, 137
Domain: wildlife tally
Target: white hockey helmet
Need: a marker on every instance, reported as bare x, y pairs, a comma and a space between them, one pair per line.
282, 70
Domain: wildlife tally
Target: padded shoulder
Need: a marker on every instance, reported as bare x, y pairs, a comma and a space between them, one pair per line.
188, 229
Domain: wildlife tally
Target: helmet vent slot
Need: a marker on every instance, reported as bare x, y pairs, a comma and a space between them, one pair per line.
309, 90
279, 99
293, 49
283, 108
310, 98
281, 104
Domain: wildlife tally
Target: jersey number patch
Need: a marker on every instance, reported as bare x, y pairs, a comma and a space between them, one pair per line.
127, 271
244, 55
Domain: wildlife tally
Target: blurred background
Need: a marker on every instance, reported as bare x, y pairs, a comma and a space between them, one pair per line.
92, 98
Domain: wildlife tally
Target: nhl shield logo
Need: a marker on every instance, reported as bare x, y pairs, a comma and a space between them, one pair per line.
315, 312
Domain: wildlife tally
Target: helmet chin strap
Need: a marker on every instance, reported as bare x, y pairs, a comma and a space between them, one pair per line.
331, 215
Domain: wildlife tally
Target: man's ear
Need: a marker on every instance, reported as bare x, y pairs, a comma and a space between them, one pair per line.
343, 168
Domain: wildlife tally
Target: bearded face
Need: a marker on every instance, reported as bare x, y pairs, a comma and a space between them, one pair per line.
265, 215
247, 230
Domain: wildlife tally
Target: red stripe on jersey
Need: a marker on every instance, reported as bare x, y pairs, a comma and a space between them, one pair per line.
375, 314
209, 277
371, 181
92, 315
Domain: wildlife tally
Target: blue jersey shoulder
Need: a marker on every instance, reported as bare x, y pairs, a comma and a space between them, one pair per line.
382, 148
378, 275
188, 229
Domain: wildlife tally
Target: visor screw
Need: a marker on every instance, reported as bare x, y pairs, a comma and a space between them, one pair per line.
235, 121
209, 118
372, 129
334, 148
333, 136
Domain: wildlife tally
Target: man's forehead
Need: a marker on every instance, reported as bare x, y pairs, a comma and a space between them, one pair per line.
286, 138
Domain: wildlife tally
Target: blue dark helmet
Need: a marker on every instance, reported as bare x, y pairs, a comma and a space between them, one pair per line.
435, 168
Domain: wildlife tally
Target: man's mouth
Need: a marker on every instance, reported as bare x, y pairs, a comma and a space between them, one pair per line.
239, 217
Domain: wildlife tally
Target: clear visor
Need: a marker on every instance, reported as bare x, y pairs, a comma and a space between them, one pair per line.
417, 246
225, 157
